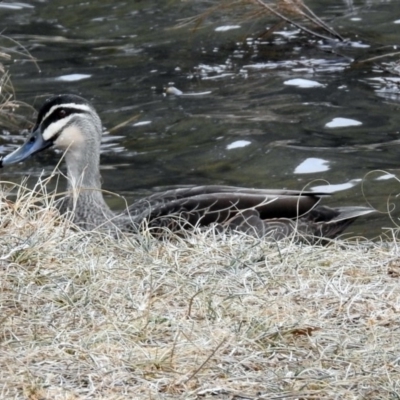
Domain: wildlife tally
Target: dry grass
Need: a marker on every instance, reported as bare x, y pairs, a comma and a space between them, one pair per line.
283, 12
7, 105
84, 316
12, 112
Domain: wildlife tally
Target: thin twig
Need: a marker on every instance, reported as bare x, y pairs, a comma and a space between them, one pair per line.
396, 53
205, 361
318, 21
281, 16
122, 124
26, 51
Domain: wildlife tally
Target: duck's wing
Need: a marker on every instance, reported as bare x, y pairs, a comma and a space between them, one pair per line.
203, 205
319, 223
263, 212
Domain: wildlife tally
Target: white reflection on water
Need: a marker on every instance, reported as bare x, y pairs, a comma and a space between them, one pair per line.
142, 123
342, 123
337, 187
225, 28
385, 177
72, 77
15, 6
303, 83
287, 34
387, 87
310, 65
311, 165
238, 144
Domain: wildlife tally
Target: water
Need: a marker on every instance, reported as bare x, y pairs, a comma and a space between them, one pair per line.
284, 112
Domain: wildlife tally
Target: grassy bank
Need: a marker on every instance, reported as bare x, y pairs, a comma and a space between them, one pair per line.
84, 316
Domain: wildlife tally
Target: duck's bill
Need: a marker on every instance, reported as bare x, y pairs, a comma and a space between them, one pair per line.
33, 144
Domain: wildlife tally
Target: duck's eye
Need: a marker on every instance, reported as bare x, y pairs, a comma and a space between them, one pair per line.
62, 113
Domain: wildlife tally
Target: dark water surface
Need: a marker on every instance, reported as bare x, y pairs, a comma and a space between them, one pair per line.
243, 119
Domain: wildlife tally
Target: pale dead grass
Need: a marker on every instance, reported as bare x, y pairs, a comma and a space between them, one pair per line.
294, 13
85, 316
12, 112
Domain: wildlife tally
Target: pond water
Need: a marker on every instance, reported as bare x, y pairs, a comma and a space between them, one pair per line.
282, 112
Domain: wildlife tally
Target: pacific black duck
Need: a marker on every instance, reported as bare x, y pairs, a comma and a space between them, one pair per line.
71, 124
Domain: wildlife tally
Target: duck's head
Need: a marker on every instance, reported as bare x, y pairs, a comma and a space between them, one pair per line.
66, 122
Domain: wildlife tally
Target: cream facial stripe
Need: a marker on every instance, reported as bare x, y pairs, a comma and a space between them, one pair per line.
59, 125
82, 107
56, 127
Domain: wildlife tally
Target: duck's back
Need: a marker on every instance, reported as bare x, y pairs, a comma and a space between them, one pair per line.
275, 213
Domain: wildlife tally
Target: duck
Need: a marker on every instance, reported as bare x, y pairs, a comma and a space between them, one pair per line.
70, 123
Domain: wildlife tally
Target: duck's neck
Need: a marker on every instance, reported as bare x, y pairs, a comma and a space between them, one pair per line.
83, 170
84, 187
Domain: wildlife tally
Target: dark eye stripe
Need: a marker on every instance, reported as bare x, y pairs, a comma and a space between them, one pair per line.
64, 100
58, 114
